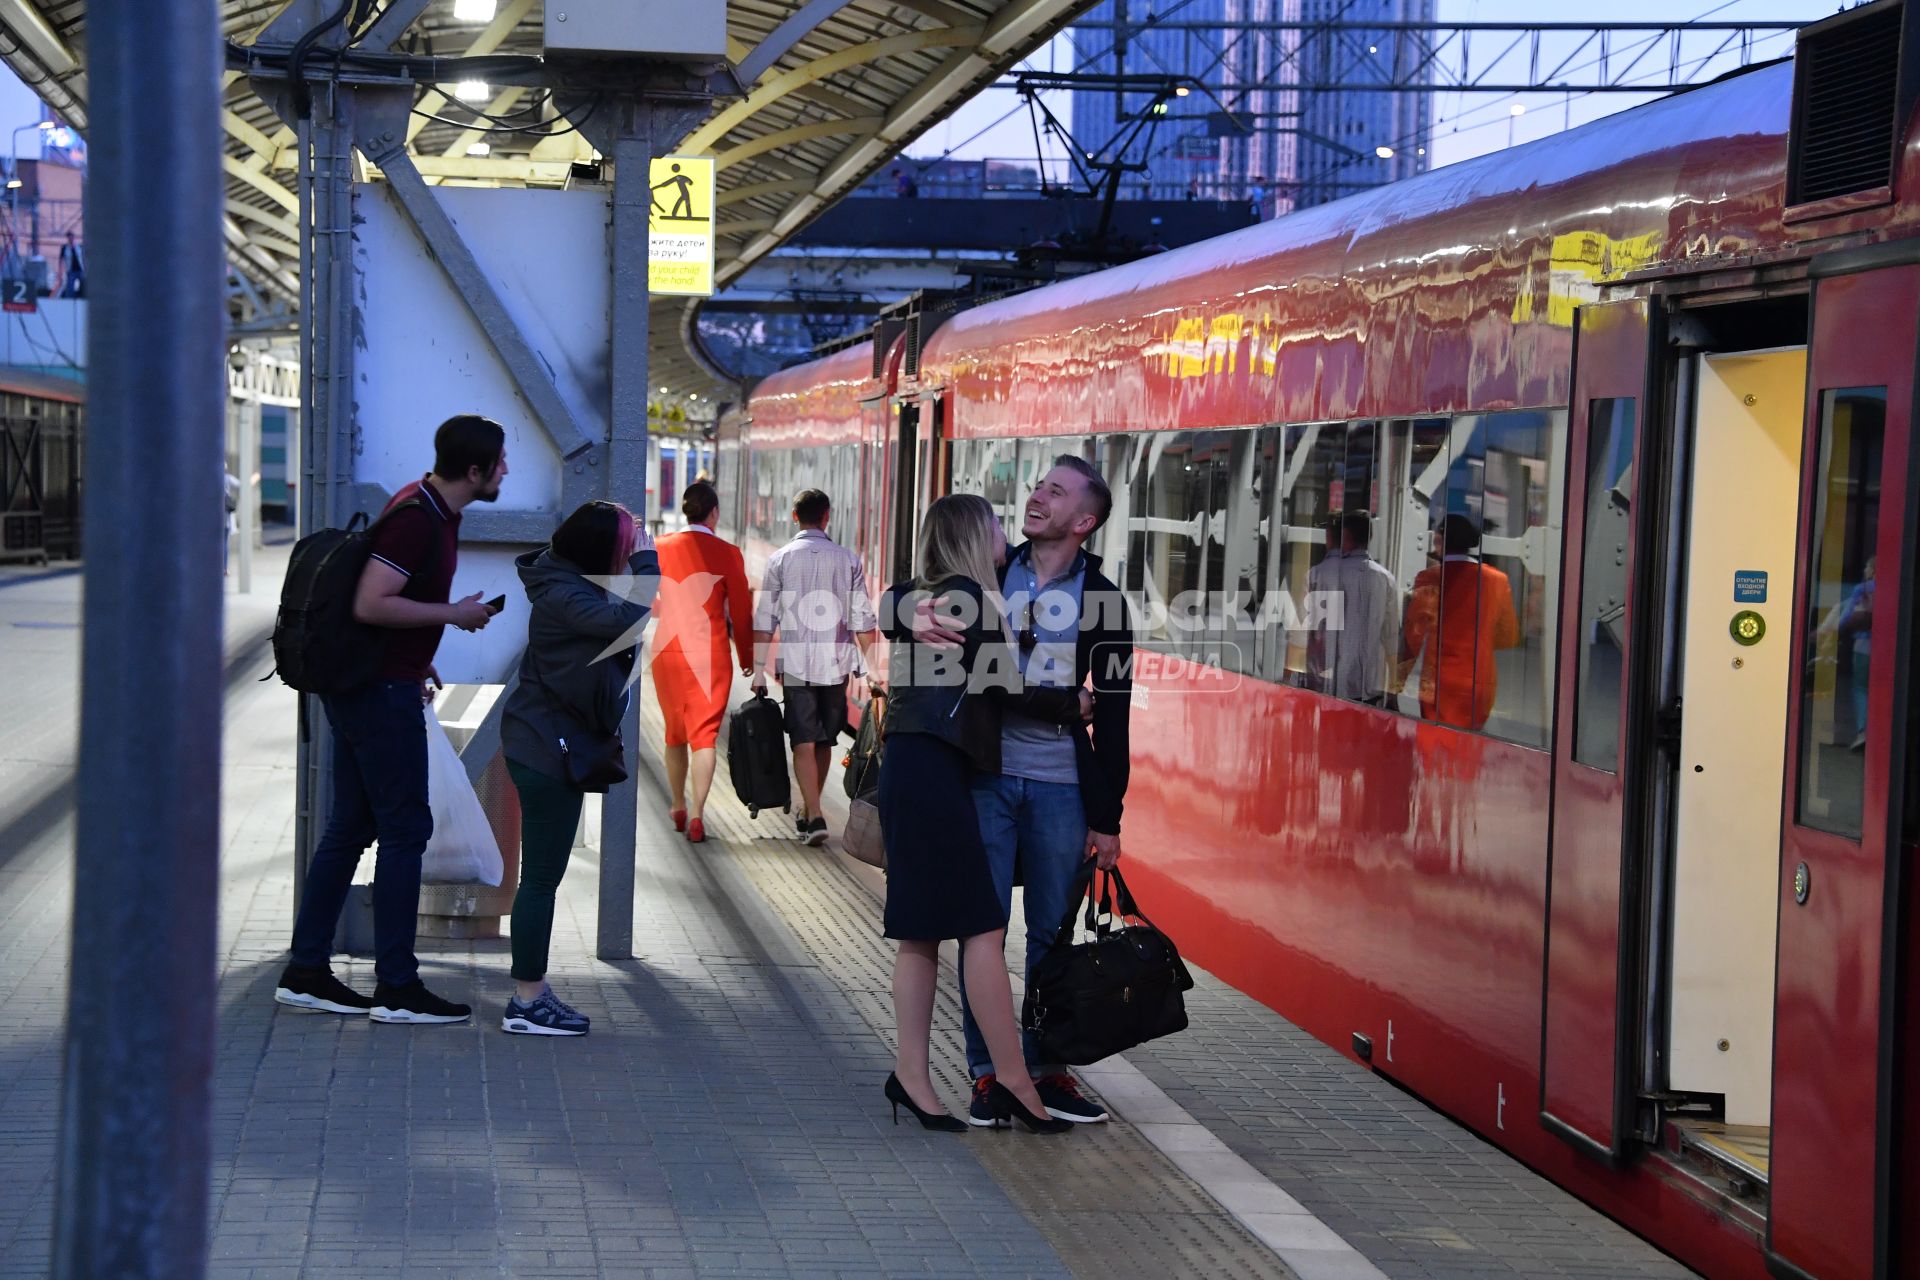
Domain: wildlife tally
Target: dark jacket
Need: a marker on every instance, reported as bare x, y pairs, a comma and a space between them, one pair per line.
960, 700
566, 686
1103, 655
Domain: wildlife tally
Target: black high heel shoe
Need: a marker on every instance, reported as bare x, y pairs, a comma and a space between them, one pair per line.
939, 1121
1007, 1107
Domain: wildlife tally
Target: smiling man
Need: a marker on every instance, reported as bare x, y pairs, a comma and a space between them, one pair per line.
1057, 799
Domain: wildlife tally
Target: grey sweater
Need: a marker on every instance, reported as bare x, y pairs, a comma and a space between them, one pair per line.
566, 686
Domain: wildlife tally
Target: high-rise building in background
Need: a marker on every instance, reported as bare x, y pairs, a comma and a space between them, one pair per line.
1252, 131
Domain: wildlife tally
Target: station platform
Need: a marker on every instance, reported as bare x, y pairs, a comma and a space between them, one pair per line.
725, 1116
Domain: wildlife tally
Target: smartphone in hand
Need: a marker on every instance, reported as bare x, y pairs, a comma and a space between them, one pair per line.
496, 604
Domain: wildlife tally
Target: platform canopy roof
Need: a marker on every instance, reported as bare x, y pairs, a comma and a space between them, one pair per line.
833, 89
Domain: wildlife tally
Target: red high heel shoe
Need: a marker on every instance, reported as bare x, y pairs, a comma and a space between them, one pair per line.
679, 817
696, 831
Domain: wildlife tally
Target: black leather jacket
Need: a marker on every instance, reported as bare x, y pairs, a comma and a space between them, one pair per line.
958, 697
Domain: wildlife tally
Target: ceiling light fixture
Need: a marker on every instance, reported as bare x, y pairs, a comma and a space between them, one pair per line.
474, 10
472, 91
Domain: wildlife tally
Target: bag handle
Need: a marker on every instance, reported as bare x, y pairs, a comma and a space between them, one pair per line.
1082, 887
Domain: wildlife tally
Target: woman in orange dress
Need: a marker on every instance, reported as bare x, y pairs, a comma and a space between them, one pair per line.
703, 595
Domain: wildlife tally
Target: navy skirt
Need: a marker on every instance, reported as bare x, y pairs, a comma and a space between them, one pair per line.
939, 885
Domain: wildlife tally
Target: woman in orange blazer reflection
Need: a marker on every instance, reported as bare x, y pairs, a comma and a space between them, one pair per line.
1461, 611
703, 595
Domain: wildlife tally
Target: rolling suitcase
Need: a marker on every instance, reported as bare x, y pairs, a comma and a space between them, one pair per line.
757, 755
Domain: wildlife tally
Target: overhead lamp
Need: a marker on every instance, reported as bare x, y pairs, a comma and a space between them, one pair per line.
1517, 109
14, 184
1181, 91
1419, 151
472, 91
1373, 48
1384, 152
474, 10
46, 126
480, 150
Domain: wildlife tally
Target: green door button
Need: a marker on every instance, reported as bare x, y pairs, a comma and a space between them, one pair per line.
1747, 627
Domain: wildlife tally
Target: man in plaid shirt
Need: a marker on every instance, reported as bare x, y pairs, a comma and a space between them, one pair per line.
814, 599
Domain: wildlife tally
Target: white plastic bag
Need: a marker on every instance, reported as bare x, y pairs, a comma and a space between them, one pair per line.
462, 850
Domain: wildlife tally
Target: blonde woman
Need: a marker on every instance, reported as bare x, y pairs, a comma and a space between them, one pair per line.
943, 726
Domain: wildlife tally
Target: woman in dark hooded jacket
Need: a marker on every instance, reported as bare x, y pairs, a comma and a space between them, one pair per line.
561, 724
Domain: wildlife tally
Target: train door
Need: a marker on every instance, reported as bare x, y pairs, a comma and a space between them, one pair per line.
1729, 634
904, 513
1838, 1010
1585, 1088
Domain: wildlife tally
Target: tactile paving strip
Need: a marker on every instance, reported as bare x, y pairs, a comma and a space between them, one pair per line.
1105, 1198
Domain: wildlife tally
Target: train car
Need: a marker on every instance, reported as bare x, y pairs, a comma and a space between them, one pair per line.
1635, 907
42, 425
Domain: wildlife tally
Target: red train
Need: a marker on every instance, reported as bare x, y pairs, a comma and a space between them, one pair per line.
1640, 913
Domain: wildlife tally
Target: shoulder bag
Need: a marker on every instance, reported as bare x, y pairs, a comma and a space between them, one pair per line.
1122, 987
862, 777
593, 761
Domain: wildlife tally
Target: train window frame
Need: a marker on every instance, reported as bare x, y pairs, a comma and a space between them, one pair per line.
1822, 609
1597, 744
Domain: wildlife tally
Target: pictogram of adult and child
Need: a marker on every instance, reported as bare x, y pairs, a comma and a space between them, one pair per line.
682, 186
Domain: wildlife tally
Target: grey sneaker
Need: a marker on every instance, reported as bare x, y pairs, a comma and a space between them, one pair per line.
544, 1015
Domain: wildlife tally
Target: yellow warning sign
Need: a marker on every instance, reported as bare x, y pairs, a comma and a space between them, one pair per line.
680, 226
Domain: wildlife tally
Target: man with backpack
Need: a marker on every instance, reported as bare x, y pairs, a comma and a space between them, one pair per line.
399, 606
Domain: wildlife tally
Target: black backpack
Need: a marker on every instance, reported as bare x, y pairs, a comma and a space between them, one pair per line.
318, 647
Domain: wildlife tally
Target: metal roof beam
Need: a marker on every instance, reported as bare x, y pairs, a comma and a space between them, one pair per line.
785, 36
392, 23
43, 60
264, 183
799, 133
501, 104
286, 227
490, 38
1022, 22
754, 190
703, 138
497, 169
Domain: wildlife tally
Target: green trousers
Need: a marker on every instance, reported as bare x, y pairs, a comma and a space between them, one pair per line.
549, 819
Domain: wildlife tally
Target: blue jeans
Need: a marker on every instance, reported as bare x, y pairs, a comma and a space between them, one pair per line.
1045, 824
379, 792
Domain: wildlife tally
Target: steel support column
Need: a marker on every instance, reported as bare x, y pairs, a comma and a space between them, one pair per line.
646, 127
135, 1116
626, 460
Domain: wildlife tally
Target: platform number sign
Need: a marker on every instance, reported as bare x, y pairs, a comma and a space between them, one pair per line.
17, 294
680, 226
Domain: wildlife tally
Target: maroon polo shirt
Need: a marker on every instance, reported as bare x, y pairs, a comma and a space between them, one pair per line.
422, 542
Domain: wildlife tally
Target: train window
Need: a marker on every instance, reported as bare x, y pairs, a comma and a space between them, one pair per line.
995, 472
1474, 631
1243, 483
1603, 583
1167, 518
1839, 630
1313, 483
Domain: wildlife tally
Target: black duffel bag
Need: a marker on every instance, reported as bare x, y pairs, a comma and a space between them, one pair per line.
1122, 987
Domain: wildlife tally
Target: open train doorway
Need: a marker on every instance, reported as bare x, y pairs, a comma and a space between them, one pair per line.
1733, 604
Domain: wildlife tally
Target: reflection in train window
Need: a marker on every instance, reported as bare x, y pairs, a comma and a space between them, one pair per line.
1839, 630
1603, 583
1474, 637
